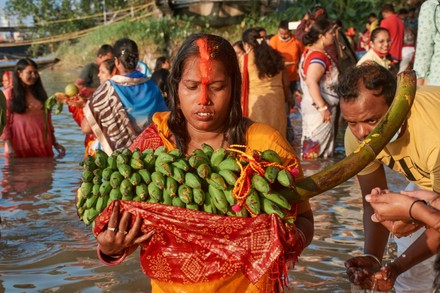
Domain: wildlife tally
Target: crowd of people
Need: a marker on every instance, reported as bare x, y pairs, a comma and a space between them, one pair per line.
225, 93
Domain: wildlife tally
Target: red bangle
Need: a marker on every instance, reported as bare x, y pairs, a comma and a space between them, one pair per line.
110, 260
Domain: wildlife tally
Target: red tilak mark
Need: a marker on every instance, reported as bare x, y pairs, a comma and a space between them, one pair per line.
204, 67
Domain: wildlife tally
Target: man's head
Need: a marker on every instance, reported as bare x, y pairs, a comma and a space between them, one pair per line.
403, 13
105, 52
366, 92
372, 16
283, 31
262, 31
387, 10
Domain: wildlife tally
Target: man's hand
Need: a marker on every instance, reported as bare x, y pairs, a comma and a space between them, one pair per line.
361, 270
401, 228
385, 278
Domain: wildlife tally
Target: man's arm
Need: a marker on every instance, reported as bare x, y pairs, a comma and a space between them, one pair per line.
376, 235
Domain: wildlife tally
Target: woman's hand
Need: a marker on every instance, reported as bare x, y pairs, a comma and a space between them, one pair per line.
395, 206
77, 101
428, 196
326, 116
60, 149
119, 236
9, 149
401, 228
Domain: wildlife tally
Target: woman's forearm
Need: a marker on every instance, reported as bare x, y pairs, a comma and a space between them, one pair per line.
304, 222
426, 214
315, 93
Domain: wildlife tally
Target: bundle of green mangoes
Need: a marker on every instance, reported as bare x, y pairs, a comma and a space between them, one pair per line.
204, 180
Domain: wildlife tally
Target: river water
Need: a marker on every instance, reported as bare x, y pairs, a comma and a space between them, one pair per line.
45, 248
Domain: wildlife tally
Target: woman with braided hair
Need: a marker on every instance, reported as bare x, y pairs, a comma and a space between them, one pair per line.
123, 106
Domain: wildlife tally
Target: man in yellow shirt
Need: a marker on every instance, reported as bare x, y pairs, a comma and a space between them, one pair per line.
366, 93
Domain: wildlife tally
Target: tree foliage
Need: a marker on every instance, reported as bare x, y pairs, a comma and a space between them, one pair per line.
62, 16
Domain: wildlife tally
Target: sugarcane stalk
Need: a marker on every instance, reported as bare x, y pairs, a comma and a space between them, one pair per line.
368, 149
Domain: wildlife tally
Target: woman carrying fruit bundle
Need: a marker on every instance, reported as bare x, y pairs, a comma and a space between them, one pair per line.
205, 91
123, 106
29, 131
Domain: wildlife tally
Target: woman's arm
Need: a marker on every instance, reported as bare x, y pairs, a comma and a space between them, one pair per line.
314, 73
85, 126
286, 89
305, 223
406, 206
6, 135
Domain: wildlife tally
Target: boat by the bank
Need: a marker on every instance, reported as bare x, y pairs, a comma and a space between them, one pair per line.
42, 62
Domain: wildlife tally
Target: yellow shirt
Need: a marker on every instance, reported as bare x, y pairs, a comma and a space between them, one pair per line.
416, 154
372, 56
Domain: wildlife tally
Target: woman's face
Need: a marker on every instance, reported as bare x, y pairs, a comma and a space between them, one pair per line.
382, 42
29, 75
238, 51
204, 94
7, 79
166, 65
104, 74
328, 38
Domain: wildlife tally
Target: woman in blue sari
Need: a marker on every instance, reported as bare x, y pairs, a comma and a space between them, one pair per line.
123, 106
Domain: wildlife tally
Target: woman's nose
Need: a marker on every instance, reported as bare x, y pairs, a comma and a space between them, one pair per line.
204, 99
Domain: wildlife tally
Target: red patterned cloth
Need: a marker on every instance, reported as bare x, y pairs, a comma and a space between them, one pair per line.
148, 139
193, 247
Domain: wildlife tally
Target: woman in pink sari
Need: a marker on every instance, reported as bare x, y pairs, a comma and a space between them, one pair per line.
28, 131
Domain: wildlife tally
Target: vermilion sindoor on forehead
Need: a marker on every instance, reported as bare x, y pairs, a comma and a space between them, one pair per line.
204, 66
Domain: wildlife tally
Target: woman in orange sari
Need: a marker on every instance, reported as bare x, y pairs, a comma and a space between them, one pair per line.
205, 91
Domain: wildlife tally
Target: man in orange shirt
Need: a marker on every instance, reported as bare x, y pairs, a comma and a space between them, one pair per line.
291, 49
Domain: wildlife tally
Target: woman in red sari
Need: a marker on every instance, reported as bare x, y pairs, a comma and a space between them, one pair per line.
28, 131
205, 104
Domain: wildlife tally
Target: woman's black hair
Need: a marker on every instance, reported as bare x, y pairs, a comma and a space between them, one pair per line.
221, 50
269, 62
376, 31
109, 64
160, 61
127, 52
19, 98
319, 27
160, 78
239, 44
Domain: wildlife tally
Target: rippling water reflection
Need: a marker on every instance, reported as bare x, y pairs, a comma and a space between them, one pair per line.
45, 248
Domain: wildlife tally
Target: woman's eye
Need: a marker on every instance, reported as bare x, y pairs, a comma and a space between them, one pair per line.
217, 88
191, 86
